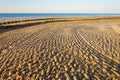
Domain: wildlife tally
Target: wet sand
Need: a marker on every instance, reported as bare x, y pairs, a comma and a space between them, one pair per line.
76, 48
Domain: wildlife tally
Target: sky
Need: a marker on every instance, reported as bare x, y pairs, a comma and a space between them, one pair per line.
59, 6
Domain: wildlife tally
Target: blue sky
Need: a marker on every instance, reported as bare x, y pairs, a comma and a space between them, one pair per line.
59, 6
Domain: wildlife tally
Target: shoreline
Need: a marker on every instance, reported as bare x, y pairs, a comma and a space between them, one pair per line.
83, 17
38, 15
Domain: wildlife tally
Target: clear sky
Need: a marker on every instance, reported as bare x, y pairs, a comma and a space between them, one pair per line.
59, 6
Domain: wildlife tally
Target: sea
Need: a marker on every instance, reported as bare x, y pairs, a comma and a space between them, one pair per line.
37, 15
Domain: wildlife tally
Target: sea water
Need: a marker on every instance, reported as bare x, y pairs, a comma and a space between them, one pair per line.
34, 15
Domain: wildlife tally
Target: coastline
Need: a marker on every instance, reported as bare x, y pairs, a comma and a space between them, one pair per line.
40, 15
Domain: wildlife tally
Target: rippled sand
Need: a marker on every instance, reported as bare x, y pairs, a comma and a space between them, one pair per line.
60, 48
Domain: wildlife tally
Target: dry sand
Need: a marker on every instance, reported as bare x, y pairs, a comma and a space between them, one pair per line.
60, 49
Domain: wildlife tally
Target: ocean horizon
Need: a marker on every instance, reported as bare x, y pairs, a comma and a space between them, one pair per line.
37, 15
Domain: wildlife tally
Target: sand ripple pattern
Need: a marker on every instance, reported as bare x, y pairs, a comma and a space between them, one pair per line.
60, 51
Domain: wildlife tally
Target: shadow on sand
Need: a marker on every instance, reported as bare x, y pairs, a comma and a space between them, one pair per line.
19, 26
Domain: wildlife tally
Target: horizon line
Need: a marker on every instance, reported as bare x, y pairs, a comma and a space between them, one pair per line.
54, 13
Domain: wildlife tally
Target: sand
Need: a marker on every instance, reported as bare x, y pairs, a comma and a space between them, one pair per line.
76, 48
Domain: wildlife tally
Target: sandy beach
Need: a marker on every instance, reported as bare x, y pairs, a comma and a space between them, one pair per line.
60, 48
